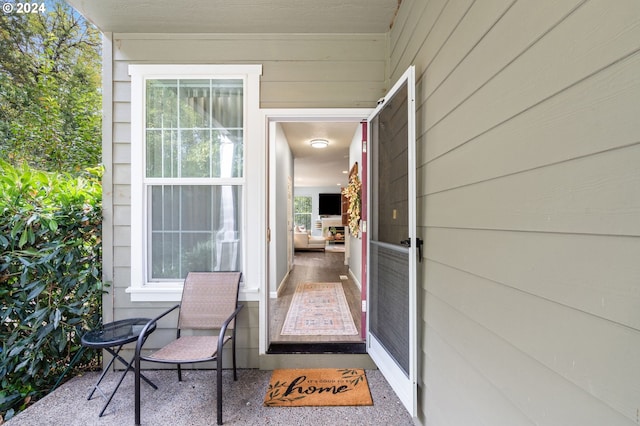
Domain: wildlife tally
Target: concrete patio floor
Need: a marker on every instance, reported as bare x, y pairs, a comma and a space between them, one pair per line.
192, 402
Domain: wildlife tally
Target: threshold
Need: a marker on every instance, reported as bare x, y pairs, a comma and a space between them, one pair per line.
318, 348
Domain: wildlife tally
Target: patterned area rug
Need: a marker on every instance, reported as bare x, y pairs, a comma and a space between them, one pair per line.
319, 309
318, 387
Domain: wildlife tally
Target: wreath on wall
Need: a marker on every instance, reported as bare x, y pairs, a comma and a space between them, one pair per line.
353, 193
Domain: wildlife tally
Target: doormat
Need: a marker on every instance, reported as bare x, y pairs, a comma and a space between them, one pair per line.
319, 309
318, 387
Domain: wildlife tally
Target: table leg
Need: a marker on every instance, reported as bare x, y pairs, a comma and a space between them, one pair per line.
128, 365
104, 372
124, 373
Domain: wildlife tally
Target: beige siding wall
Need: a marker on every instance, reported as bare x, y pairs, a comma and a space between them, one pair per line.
299, 71
529, 194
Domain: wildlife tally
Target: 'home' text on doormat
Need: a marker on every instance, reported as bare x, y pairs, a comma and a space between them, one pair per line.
318, 387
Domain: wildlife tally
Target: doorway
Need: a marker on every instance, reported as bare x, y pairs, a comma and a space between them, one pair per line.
391, 271
316, 267
289, 267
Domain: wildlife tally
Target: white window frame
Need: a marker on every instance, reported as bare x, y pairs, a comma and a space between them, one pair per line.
142, 289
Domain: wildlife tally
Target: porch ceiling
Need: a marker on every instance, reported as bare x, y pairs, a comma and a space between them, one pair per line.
239, 16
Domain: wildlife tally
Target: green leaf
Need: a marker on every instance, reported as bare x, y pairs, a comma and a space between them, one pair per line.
23, 239
16, 229
21, 365
16, 350
62, 342
44, 331
35, 292
56, 318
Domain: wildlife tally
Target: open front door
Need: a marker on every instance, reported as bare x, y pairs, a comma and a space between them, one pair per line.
394, 248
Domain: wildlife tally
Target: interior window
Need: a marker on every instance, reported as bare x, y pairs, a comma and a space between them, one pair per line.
302, 211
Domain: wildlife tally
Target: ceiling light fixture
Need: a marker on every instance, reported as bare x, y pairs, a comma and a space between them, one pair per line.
319, 143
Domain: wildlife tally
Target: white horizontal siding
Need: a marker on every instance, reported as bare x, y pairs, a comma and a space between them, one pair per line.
529, 202
445, 366
122, 132
590, 273
497, 45
598, 194
539, 393
572, 343
590, 39
299, 71
549, 133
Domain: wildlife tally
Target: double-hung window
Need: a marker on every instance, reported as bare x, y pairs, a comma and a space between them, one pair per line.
188, 173
302, 211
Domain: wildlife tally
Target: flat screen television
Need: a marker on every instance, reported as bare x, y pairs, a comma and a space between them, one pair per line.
329, 204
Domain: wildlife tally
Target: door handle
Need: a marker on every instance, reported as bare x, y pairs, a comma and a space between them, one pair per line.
407, 243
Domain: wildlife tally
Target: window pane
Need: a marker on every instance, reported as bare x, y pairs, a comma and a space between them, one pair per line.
195, 103
162, 104
194, 228
196, 153
165, 208
302, 211
228, 153
162, 153
227, 104
165, 256
194, 128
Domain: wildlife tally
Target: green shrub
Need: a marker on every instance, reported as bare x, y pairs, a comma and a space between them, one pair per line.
50, 277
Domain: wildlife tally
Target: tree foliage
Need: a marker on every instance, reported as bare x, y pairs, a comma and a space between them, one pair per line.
50, 277
50, 222
50, 99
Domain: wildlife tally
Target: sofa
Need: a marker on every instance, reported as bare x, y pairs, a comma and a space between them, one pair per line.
303, 240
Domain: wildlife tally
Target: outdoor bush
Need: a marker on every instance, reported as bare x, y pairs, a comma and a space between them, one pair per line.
50, 277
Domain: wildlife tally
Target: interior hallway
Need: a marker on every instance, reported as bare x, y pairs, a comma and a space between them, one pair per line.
314, 266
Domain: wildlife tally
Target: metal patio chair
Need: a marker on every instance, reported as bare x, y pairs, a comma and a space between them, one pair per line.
209, 302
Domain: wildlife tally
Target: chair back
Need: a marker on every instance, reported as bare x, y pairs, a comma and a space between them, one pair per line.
208, 299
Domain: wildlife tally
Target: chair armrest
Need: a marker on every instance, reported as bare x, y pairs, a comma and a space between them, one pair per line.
223, 329
143, 334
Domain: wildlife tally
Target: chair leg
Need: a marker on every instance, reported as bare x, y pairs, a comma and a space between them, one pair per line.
137, 390
233, 349
179, 373
219, 387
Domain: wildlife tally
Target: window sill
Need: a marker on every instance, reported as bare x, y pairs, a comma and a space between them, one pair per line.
173, 293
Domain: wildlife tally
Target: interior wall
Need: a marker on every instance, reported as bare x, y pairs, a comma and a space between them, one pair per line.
313, 191
529, 195
282, 215
355, 243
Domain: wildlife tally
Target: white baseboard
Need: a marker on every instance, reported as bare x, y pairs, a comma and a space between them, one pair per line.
276, 294
355, 280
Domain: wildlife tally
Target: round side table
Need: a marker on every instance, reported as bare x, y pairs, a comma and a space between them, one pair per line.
112, 337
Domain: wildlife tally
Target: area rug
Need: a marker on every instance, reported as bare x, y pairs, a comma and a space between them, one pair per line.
334, 248
319, 309
318, 387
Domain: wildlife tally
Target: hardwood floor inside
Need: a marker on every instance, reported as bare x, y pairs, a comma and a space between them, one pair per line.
315, 266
